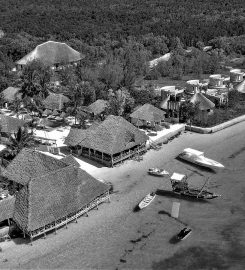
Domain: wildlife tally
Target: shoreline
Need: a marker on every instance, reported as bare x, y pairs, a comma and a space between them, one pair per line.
116, 237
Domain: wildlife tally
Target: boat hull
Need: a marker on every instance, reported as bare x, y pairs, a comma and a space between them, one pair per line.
197, 194
146, 201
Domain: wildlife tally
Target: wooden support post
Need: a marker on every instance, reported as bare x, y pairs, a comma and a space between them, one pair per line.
24, 235
76, 217
109, 199
97, 208
102, 156
55, 227
89, 152
66, 222
8, 222
44, 235
111, 160
31, 238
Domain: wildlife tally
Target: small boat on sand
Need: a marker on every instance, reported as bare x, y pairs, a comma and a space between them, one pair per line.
180, 186
184, 233
157, 172
197, 157
147, 200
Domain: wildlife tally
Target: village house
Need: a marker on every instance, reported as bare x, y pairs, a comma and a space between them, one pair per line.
49, 192
8, 126
98, 107
108, 142
10, 94
147, 115
55, 101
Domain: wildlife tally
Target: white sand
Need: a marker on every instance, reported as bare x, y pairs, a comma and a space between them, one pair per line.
116, 237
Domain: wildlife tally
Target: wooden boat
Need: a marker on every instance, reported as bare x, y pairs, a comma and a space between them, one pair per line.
147, 200
180, 187
157, 172
184, 233
197, 157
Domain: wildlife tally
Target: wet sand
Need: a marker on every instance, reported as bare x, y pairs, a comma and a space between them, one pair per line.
116, 237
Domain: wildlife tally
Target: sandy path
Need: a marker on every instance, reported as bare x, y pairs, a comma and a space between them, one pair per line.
116, 237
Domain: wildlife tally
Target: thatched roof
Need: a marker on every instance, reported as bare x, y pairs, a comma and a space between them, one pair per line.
11, 93
48, 198
7, 208
10, 124
55, 101
203, 102
51, 53
30, 164
149, 113
240, 87
112, 136
98, 106
70, 160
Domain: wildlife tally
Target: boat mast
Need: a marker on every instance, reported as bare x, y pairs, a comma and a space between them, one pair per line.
203, 187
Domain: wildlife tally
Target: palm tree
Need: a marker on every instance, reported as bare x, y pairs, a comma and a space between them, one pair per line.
19, 140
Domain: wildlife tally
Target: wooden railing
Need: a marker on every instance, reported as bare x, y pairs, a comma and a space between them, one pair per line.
65, 220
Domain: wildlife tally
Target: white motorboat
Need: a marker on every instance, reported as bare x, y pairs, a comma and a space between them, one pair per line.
158, 172
147, 200
197, 157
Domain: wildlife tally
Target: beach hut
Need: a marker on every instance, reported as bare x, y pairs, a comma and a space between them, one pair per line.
108, 142
51, 192
148, 115
52, 53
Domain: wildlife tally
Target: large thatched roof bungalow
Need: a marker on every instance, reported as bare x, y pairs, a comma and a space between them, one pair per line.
108, 142
10, 94
148, 114
51, 192
52, 53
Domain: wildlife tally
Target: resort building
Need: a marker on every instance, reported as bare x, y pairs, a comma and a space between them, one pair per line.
148, 115
52, 54
108, 142
192, 86
216, 81
8, 126
236, 76
49, 192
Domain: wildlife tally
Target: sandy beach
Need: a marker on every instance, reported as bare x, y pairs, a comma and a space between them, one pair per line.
116, 237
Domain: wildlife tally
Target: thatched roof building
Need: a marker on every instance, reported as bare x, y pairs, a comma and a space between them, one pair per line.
107, 139
7, 208
50, 191
10, 124
55, 101
148, 113
202, 102
98, 107
10, 93
52, 53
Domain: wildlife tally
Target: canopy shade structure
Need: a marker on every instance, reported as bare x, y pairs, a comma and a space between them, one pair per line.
52, 53
177, 177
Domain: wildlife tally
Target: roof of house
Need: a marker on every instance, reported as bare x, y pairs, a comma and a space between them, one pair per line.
98, 106
55, 101
30, 164
70, 160
11, 93
148, 112
203, 102
10, 124
111, 136
47, 199
51, 53
240, 87
7, 208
